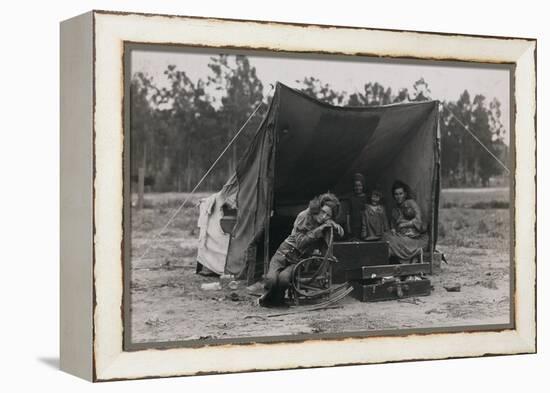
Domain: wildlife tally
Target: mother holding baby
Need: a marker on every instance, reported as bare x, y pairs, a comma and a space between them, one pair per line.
407, 236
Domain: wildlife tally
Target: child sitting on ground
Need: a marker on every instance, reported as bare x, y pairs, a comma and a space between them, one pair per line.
374, 219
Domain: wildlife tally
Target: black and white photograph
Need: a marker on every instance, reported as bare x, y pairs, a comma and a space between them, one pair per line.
278, 196
270, 197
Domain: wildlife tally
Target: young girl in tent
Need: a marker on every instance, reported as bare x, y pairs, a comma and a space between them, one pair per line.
374, 220
356, 206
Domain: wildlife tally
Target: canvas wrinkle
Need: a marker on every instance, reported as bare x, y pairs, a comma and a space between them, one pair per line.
385, 143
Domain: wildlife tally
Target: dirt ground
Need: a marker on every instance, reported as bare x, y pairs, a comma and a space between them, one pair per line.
168, 304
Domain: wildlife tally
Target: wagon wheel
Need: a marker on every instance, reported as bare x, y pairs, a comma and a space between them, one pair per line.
311, 278
316, 284
312, 285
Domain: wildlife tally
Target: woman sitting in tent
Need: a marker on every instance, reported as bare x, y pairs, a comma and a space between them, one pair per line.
308, 235
407, 236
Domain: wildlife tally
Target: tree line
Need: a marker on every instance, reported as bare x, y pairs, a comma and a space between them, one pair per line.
177, 131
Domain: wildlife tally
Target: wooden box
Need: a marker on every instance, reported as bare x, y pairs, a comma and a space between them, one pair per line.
368, 291
370, 272
354, 255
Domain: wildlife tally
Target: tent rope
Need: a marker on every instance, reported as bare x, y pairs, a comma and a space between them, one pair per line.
476, 138
159, 233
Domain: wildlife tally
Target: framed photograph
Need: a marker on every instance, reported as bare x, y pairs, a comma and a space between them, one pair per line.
249, 195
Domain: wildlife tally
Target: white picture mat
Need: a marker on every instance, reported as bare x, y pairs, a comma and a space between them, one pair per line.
112, 30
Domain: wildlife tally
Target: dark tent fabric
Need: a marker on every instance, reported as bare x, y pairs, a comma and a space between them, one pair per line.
305, 147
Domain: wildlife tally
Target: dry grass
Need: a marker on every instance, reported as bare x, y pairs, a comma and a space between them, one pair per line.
466, 224
476, 198
485, 229
169, 304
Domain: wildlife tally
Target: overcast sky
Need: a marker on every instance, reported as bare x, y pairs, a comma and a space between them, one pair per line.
446, 81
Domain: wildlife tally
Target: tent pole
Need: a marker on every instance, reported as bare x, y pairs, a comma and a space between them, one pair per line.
270, 181
266, 240
435, 188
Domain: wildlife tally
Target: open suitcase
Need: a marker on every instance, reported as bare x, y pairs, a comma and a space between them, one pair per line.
365, 265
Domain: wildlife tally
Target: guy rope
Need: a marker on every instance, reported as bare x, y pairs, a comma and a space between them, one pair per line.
161, 231
476, 138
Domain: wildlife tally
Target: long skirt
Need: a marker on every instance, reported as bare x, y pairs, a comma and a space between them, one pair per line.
405, 248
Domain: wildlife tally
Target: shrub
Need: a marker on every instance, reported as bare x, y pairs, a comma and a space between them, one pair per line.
482, 227
491, 205
441, 230
458, 224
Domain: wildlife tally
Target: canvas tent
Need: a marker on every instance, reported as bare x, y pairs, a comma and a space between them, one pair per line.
305, 147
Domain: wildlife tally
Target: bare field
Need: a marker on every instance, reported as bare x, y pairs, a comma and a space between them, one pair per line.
168, 303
